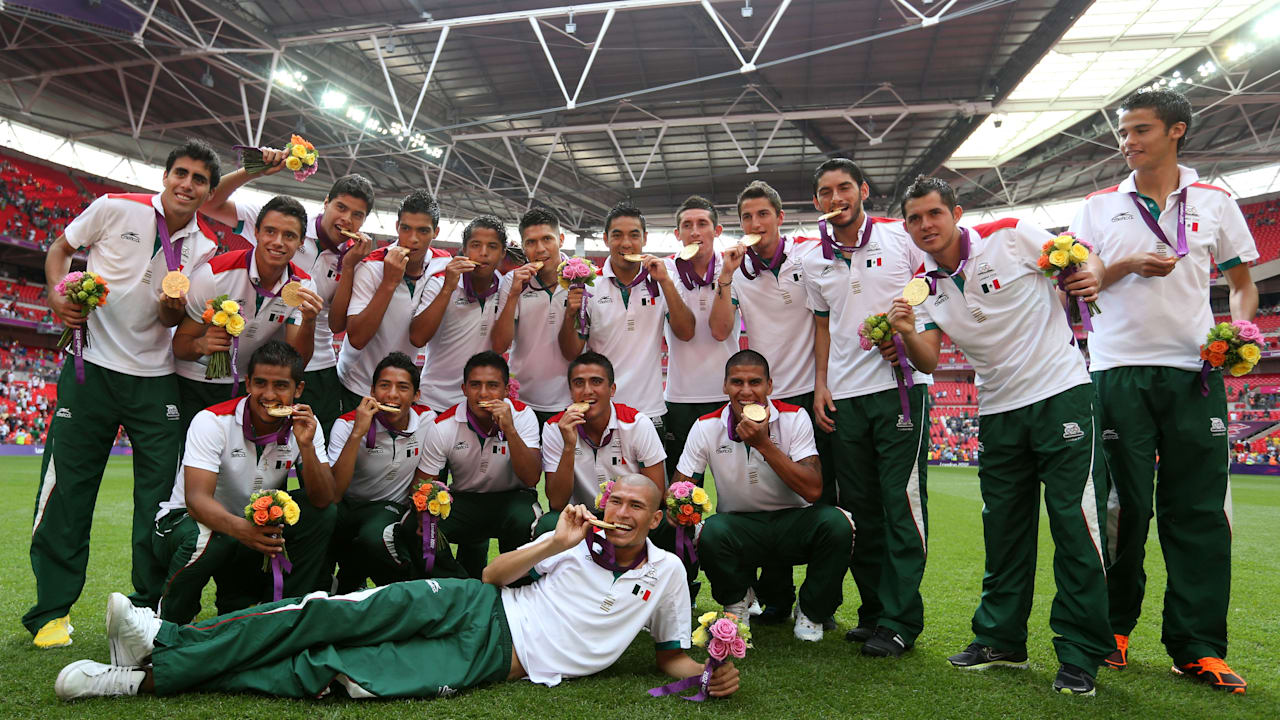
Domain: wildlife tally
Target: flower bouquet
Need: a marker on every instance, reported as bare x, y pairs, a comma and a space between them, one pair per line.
432, 500
722, 634
89, 291
578, 272
602, 497
274, 507
1059, 259
302, 157
686, 505
875, 330
1234, 346
224, 312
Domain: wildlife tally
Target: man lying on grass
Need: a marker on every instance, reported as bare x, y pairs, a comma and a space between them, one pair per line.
424, 638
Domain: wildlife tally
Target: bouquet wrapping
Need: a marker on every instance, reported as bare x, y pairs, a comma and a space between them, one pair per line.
433, 502
578, 272
1059, 259
723, 635
89, 291
686, 505
224, 312
875, 330
274, 507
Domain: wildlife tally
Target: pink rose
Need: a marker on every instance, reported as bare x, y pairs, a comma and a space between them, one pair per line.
718, 648
1247, 331
738, 647
724, 629
680, 490
865, 342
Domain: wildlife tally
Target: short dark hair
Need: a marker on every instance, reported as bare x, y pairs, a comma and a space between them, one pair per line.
401, 361
747, 358
277, 353
844, 165
1170, 106
488, 358
197, 149
487, 222
539, 216
623, 209
284, 205
924, 185
760, 189
697, 202
357, 186
591, 358
420, 201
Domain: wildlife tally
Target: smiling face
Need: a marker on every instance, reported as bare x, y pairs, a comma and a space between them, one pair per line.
542, 244
638, 505
271, 385
186, 186
696, 226
394, 386
484, 248
746, 384
590, 384
625, 237
931, 223
1145, 141
344, 212
279, 237
837, 190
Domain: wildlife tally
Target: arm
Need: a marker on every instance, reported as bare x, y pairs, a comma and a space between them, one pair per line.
302, 335
219, 205
723, 311
56, 265
559, 487
315, 475
803, 476
344, 467
678, 664
822, 402
426, 323
525, 461
193, 340
658, 474
346, 281
923, 348
570, 340
504, 328
683, 325
515, 565
207, 511
1244, 293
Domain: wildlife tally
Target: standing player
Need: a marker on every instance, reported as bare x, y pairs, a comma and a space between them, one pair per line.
1157, 232
986, 292
326, 254
127, 379
529, 326
881, 450
458, 310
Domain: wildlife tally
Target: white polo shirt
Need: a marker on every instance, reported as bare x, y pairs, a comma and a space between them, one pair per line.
1006, 317
849, 290
235, 274
577, 619
695, 369
779, 325
475, 464
535, 354
355, 366
744, 481
629, 333
126, 335
320, 263
216, 442
382, 472
463, 332
633, 444
1178, 304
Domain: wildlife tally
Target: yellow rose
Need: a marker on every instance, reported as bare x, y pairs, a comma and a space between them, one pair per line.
291, 512
433, 507
1078, 253
230, 307
281, 497
1058, 258
699, 637
1241, 368
442, 497
293, 163
706, 617
1063, 242
1251, 353
310, 159
299, 151
235, 325
700, 496
444, 511
219, 318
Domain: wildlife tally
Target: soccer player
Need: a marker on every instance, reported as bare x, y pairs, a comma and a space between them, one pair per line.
127, 379
529, 326
764, 499
693, 365
373, 453
1035, 402
233, 449
388, 286
1157, 232
429, 638
253, 279
490, 444
326, 254
881, 447
625, 314
461, 305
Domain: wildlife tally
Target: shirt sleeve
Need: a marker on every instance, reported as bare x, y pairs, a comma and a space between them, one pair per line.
202, 291
318, 442
646, 443
924, 321
89, 225
247, 222
1028, 241
693, 461
338, 438
1083, 229
813, 294
1234, 242
435, 284
801, 442
435, 449
363, 286
205, 442
669, 625
547, 565
504, 295
526, 423
552, 447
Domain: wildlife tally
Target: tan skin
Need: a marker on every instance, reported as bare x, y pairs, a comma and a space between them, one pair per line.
747, 384
186, 186
485, 384
757, 216
393, 386
542, 244
1150, 148
626, 236
588, 384
279, 237
481, 254
407, 258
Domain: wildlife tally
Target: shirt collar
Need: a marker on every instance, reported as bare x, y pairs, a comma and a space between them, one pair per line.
1186, 177
977, 244
191, 226
775, 416
256, 279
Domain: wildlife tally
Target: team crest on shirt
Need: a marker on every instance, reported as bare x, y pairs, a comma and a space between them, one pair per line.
131, 236
1217, 427
1071, 431
171, 412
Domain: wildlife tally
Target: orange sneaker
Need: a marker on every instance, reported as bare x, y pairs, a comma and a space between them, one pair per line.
1119, 659
1215, 672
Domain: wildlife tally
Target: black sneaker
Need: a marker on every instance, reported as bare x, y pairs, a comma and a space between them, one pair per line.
861, 634
773, 615
1073, 680
980, 657
829, 624
885, 643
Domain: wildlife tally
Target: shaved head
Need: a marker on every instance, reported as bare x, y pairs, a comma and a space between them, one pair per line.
640, 481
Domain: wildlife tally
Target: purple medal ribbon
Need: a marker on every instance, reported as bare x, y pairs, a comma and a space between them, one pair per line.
235, 339
642, 277
702, 682
933, 276
829, 244
428, 540
753, 259
605, 556
1081, 307
279, 437
77, 350
604, 441
235, 371
474, 422
172, 250
469, 289
371, 440
1181, 248
903, 376
690, 277
539, 286
584, 320
685, 546
280, 565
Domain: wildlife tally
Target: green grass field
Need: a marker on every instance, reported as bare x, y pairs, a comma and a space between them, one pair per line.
781, 677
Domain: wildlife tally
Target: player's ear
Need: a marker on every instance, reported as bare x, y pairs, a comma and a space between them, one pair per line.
655, 520
297, 391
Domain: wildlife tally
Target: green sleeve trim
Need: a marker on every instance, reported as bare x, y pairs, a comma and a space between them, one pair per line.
1223, 267
930, 326
821, 313
290, 321
734, 300
239, 228
533, 574
668, 645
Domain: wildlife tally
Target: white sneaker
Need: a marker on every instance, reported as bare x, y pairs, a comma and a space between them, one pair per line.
86, 678
130, 631
739, 609
806, 629
753, 608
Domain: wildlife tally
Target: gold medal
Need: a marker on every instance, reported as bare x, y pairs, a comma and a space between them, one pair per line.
174, 284
537, 265
280, 411
387, 408
916, 291
579, 407
833, 213
348, 233
633, 257
607, 525
290, 293
754, 412
689, 251
489, 403
750, 240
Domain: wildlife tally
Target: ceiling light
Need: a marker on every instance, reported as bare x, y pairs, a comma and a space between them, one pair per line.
1268, 26
207, 79
1239, 50
356, 114
571, 27
746, 9
333, 99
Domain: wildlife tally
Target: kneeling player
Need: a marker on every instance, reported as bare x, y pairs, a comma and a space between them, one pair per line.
767, 474
233, 449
